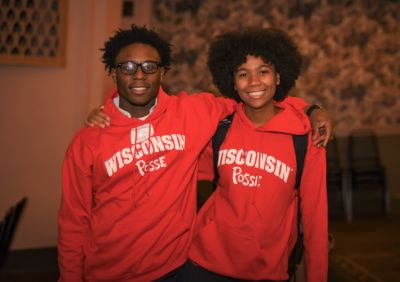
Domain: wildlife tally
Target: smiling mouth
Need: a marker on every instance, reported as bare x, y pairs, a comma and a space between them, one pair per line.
138, 90
255, 94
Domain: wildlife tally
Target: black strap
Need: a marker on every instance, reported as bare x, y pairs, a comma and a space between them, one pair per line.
311, 109
300, 148
217, 141
300, 143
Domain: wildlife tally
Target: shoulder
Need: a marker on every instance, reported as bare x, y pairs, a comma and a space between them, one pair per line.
296, 102
84, 139
292, 119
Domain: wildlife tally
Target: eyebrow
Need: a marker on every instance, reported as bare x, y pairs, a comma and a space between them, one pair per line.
260, 66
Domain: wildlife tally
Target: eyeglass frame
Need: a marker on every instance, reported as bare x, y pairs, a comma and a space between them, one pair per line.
139, 65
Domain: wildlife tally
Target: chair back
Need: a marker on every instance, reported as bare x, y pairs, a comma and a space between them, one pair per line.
8, 226
363, 149
332, 157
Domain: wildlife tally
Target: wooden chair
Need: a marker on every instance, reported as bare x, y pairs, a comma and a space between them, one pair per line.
338, 184
368, 176
7, 228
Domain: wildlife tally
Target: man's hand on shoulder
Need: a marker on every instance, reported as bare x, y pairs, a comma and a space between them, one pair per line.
322, 125
98, 118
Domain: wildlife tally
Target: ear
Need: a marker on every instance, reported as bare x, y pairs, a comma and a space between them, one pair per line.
114, 75
278, 79
163, 72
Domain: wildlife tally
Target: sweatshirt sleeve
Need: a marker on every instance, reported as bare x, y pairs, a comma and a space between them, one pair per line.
208, 109
296, 102
315, 214
74, 212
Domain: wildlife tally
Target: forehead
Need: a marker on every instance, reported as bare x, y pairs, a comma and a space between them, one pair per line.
254, 62
138, 52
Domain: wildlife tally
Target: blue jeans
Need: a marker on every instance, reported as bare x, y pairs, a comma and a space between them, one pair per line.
191, 272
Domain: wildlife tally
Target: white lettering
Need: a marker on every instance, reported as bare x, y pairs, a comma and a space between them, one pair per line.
167, 142
277, 167
154, 144
284, 172
111, 165
127, 156
250, 158
222, 157
158, 145
254, 159
152, 165
270, 164
263, 159
230, 156
239, 157
246, 179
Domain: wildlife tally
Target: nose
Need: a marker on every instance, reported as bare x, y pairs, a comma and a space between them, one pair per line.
254, 79
139, 74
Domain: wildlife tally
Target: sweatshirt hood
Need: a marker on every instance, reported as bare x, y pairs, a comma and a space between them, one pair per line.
118, 118
288, 120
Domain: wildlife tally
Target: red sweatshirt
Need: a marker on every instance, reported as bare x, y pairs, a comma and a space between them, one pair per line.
129, 191
247, 228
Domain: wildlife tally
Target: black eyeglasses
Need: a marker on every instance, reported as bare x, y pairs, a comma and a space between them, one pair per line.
147, 67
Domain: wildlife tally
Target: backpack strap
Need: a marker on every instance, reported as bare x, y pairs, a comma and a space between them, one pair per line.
217, 140
300, 148
300, 143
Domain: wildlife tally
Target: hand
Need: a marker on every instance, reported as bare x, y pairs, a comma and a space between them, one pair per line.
97, 118
322, 127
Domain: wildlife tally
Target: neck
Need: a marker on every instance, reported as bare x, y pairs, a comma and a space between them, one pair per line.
260, 116
136, 111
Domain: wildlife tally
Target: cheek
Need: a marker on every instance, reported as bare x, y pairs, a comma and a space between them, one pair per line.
240, 84
120, 82
270, 80
241, 91
155, 81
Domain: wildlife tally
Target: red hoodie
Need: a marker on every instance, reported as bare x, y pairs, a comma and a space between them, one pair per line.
129, 191
247, 228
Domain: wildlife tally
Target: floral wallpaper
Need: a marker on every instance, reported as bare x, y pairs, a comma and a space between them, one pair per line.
351, 49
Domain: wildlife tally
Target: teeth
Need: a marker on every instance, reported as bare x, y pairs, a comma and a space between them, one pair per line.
139, 88
256, 94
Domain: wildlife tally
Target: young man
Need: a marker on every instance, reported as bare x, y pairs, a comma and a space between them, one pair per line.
129, 190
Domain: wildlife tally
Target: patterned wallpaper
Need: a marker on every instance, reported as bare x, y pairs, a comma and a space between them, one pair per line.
351, 49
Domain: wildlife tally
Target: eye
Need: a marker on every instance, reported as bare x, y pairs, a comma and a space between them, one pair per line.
241, 74
264, 71
149, 67
128, 66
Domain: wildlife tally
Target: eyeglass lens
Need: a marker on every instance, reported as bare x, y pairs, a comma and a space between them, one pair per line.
130, 67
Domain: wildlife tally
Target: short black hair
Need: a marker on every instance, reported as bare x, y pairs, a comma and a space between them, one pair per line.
135, 34
229, 50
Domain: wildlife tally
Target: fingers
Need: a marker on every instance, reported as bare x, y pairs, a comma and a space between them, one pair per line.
319, 142
328, 127
314, 131
318, 128
320, 134
98, 118
100, 121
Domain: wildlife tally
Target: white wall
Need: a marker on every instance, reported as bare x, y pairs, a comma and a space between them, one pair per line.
41, 109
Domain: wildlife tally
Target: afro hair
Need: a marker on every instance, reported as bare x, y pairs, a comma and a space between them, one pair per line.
135, 34
274, 46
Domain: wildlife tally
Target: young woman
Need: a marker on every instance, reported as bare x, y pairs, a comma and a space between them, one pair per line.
247, 228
